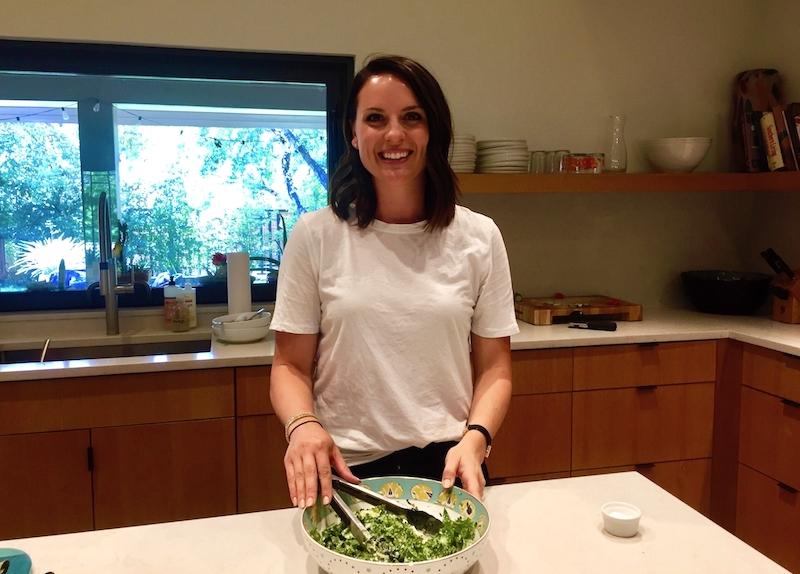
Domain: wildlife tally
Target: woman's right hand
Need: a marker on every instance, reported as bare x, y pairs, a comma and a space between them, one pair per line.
308, 460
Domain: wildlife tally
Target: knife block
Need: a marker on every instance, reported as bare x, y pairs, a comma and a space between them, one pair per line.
787, 310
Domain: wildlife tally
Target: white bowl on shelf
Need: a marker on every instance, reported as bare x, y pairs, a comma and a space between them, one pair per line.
676, 155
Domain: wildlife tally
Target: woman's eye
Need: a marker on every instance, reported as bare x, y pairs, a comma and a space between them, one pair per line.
373, 118
414, 117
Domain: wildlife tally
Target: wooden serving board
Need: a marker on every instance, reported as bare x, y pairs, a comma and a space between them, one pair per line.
542, 310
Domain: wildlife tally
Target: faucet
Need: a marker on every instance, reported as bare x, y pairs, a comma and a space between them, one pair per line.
108, 272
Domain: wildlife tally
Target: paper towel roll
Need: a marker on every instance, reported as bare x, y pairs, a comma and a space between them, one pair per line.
239, 282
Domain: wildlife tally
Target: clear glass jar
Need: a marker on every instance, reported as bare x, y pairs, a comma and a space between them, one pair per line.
617, 156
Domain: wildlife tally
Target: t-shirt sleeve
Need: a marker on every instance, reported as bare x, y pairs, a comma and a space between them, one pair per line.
494, 310
297, 304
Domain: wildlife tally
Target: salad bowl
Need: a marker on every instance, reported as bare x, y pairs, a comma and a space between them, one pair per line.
425, 494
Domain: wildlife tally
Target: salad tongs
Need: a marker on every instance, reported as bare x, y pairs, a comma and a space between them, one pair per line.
360, 531
420, 519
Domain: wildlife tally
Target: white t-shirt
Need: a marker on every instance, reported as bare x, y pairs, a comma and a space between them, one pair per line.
394, 306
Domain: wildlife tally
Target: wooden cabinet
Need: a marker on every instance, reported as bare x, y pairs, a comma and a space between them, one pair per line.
45, 484
768, 503
260, 444
534, 440
162, 472
768, 517
622, 366
649, 407
642, 425
162, 444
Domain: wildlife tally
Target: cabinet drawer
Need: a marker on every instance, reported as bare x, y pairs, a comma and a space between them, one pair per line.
688, 480
116, 400
252, 391
769, 436
635, 426
768, 518
45, 484
260, 448
163, 472
541, 371
617, 366
771, 372
534, 437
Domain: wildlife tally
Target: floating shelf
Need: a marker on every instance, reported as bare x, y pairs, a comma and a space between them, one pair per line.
616, 182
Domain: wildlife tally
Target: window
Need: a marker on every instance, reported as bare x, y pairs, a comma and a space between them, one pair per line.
199, 152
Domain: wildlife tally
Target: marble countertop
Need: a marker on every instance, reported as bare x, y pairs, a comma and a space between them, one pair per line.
658, 325
548, 526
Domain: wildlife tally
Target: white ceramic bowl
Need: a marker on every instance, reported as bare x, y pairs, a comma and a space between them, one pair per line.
251, 334
681, 155
427, 494
229, 321
621, 519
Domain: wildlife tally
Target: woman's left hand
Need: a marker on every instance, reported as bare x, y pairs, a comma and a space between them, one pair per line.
464, 461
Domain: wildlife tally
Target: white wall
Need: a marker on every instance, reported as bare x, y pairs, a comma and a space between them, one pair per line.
550, 72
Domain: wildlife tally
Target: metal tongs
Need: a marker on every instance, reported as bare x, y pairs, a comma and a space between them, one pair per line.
360, 531
422, 520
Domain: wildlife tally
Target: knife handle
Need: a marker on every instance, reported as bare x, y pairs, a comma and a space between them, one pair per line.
602, 325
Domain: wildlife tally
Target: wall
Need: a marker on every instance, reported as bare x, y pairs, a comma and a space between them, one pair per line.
549, 72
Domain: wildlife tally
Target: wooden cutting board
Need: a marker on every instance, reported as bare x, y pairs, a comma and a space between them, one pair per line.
542, 310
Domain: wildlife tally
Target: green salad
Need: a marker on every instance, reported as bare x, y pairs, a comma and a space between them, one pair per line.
409, 544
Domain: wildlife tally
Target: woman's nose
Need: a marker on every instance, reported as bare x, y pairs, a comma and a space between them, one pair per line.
394, 131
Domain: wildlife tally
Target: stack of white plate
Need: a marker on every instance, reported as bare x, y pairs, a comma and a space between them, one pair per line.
462, 153
502, 156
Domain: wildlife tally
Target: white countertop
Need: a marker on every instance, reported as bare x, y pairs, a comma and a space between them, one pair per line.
551, 526
659, 325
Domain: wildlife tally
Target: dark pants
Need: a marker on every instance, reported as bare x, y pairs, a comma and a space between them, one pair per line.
427, 462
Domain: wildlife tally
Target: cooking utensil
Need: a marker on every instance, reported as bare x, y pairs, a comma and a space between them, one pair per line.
360, 531
420, 519
577, 320
249, 316
777, 263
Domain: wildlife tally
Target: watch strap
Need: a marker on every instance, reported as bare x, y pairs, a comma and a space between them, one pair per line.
486, 435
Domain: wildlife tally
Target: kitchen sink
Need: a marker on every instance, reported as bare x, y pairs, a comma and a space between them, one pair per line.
105, 351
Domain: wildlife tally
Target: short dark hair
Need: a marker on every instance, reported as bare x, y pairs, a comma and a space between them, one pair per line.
352, 183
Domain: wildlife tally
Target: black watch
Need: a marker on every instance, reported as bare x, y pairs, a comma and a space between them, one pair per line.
485, 434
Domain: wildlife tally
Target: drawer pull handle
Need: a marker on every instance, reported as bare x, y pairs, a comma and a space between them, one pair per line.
646, 387
644, 465
790, 403
787, 488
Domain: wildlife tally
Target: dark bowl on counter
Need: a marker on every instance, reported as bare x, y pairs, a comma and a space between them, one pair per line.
726, 292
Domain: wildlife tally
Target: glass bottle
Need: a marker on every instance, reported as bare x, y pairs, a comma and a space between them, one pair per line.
617, 156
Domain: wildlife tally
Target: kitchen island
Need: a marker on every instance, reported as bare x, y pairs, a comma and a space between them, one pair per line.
543, 527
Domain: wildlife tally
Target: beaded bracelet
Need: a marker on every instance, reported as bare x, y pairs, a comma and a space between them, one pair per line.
296, 418
298, 425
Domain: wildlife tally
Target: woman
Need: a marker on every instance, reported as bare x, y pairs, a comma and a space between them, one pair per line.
381, 299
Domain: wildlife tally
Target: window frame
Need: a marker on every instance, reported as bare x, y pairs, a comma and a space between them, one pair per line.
335, 71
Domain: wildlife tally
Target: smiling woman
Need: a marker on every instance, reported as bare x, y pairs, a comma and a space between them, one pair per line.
199, 152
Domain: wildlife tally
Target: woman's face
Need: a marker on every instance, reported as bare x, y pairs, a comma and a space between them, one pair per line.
391, 132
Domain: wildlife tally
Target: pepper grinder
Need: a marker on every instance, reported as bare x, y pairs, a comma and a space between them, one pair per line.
617, 158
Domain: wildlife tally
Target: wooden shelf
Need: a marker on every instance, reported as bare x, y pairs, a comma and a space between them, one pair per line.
613, 182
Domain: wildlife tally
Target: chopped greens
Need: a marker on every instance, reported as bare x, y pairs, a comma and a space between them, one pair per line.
410, 544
